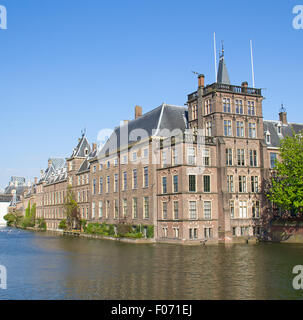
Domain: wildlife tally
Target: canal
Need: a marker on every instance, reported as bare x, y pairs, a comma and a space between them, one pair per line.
46, 266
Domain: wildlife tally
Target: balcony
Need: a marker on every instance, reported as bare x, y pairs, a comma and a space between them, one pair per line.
232, 89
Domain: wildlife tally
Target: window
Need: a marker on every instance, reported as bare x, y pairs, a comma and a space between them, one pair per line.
164, 185
273, 159
279, 129
124, 207
164, 232
252, 130
242, 184
100, 166
87, 179
100, 185
226, 105
230, 184
240, 129
93, 210
193, 233
254, 185
107, 209
175, 156
100, 209
207, 233
78, 196
176, 232
232, 209
208, 129
94, 169
239, 106
227, 128
145, 153
194, 112
145, 176
164, 210
229, 157
176, 210
207, 210
256, 209
124, 180
108, 164
108, 184
94, 186
267, 137
164, 158
116, 183
146, 207
79, 180
234, 231
116, 212
241, 157
175, 182
251, 108
206, 183
208, 106
135, 208
191, 156
192, 183
135, 179
253, 158
124, 159
134, 156
243, 209
206, 157
192, 210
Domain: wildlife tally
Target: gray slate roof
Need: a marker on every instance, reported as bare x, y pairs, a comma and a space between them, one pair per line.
286, 130
164, 117
223, 76
80, 150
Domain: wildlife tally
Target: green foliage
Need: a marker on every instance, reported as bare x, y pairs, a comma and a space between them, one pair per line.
71, 210
111, 230
97, 228
30, 216
286, 188
150, 231
83, 224
62, 225
10, 219
41, 224
136, 235
123, 229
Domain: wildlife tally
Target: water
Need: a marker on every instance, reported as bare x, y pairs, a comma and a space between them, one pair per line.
46, 266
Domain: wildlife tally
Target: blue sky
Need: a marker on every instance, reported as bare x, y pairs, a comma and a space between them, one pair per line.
67, 65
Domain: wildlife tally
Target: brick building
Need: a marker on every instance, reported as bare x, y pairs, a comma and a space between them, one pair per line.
195, 173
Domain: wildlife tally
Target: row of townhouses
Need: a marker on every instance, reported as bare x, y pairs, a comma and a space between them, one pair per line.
194, 173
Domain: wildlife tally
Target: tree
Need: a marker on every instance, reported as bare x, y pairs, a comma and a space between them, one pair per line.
71, 208
13, 218
286, 185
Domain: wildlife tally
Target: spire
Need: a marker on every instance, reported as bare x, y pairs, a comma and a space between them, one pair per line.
222, 71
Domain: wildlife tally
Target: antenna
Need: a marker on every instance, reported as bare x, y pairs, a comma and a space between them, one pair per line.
194, 72
252, 63
215, 54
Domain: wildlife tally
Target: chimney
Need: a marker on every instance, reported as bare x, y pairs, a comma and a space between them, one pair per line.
283, 117
94, 146
36, 180
201, 80
50, 162
138, 112
244, 86
125, 122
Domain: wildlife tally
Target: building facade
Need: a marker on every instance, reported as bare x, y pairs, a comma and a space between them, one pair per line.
195, 173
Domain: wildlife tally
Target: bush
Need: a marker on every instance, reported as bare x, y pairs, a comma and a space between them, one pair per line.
133, 235
123, 229
150, 231
10, 219
62, 225
41, 224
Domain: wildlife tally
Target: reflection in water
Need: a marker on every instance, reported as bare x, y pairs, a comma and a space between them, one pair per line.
44, 266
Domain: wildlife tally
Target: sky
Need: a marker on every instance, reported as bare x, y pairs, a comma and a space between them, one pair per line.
67, 65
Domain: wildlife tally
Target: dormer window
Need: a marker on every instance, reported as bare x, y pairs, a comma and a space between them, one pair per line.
267, 135
279, 129
86, 151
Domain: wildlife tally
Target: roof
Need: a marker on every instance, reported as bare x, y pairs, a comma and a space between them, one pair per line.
286, 130
83, 148
5, 198
84, 166
223, 76
166, 116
